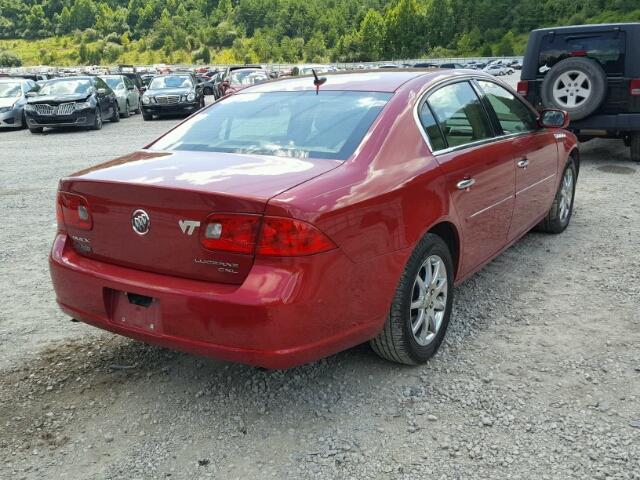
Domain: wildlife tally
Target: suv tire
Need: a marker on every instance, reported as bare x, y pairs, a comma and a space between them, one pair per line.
568, 79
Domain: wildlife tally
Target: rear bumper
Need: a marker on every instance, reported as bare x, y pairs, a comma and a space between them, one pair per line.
619, 122
284, 314
82, 118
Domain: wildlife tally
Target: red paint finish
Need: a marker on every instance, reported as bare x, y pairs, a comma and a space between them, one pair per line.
367, 213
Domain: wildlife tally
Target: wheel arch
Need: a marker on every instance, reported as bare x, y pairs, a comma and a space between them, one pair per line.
448, 232
574, 154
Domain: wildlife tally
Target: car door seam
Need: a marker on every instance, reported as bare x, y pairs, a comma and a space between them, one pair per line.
535, 184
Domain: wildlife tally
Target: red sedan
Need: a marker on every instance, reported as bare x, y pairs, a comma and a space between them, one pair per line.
283, 224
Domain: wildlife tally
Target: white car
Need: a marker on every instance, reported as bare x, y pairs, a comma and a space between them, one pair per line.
495, 70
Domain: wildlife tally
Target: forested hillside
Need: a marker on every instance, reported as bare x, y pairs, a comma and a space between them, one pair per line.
151, 31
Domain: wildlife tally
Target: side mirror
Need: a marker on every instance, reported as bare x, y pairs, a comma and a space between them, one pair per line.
101, 91
553, 119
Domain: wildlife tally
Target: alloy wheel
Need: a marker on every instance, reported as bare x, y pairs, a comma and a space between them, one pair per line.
428, 300
566, 195
572, 89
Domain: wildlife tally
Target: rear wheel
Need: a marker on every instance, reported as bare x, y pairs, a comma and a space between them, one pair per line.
634, 144
127, 110
421, 307
115, 117
559, 214
139, 109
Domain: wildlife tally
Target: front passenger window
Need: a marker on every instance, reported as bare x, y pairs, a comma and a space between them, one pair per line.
461, 116
514, 116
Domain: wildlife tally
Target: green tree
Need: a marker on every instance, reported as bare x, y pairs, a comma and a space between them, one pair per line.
372, 36
405, 24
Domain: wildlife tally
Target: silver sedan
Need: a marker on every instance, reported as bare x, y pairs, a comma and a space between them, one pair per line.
126, 93
13, 98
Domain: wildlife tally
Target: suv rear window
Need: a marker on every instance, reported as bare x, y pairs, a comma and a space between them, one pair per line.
607, 48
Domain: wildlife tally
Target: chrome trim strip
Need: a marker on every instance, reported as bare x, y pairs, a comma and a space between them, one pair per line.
491, 206
534, 184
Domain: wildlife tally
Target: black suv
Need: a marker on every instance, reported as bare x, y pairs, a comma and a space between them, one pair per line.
592, 72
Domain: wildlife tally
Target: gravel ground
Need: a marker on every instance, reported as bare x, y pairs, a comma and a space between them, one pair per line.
538, 377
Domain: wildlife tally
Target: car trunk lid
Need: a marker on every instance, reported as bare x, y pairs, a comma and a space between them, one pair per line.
178, 191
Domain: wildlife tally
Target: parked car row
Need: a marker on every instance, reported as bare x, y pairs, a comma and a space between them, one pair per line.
88, 101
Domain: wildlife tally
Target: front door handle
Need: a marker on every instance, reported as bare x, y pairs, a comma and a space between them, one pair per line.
466, 183
524, 163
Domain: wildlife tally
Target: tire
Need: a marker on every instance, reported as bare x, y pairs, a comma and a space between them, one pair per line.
147, 116
635, 146
396, 341
576, 85
97, 122
115, 117
127, 110
557, 219
36, 129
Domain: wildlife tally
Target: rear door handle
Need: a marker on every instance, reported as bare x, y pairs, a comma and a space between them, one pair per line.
524, 163
466, 183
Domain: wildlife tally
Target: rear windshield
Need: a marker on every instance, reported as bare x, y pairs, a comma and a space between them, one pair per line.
607, 48
293, 124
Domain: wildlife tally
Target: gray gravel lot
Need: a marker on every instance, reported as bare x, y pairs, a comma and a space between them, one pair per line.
538, 377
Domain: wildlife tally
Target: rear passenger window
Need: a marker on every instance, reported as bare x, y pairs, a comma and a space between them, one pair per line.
431, 128
513, 115
606, 48
460, 114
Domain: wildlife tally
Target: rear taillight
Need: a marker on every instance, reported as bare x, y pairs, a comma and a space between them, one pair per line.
74, 211
286, 237
523, 88
269, 236
59, 215
634, 87
231, 233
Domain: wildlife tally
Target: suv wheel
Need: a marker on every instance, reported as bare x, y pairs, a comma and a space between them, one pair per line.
577, 85
634, 144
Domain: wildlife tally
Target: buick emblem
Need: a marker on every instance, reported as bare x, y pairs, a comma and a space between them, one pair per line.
140, 222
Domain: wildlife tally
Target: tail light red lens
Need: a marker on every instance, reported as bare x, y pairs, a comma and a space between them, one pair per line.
523, 88
272, 236
634, 87
286, 237
75, 211
231, 233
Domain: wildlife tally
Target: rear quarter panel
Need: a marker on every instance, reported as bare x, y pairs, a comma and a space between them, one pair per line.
385, 197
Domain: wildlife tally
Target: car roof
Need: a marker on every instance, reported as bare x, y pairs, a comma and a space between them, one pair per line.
12, 79
588, 28
75, 77
371, 81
